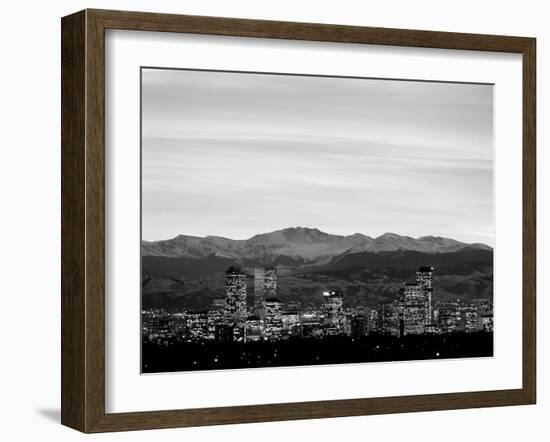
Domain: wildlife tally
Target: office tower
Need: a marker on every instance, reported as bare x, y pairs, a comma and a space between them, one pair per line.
334, 312
259, 291
424, 276
215, 317
235, 296
270, 282
388, 318
373, 322
273, 319
412, 309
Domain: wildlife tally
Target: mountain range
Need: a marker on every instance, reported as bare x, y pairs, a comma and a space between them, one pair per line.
301, 244
188, 271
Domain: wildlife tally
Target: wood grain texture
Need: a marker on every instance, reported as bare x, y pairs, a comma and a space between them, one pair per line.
73, 256
144, 21
95, 222
83, 220
529, 221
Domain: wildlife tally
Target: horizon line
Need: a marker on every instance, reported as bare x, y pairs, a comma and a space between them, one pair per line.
419, 238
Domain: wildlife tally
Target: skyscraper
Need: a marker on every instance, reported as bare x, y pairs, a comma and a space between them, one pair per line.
388, 318
412, 309
270, 282
424, 276
334, 312
259, 291
373, 322
235, 295
273, 318
415, 303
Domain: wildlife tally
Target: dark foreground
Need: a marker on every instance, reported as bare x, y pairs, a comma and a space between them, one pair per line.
334, 350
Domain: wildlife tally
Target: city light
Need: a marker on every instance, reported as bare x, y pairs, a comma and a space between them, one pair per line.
233, 319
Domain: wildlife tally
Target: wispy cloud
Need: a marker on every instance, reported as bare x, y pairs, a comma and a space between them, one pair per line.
236, 154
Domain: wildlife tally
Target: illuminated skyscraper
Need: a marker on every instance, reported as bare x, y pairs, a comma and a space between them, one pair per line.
270, 282
259, 291
273, 319
215, 317
412, 309
235, 296
424, 276
334, 312
415, 303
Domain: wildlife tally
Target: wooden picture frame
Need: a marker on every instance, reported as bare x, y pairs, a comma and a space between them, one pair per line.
83, 220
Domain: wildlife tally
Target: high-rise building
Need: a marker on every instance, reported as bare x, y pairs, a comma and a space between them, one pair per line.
215, 317
270, 282
388, 318
259, 291
412, 309
373, 322
273, 319
235, 296
415, 303
334, 312
424, 276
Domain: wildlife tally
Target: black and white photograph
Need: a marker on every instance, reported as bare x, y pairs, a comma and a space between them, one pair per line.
298, 220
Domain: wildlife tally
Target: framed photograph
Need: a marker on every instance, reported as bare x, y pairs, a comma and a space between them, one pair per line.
265, 220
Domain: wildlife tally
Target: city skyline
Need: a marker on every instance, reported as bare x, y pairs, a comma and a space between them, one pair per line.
222, 150
412, 310
243, 330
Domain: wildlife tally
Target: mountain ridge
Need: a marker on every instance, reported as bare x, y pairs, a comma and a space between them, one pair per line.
308, 244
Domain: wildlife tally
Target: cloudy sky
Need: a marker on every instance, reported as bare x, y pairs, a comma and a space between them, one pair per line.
235, 154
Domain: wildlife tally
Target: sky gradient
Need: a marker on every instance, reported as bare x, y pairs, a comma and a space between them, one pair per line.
234, 154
